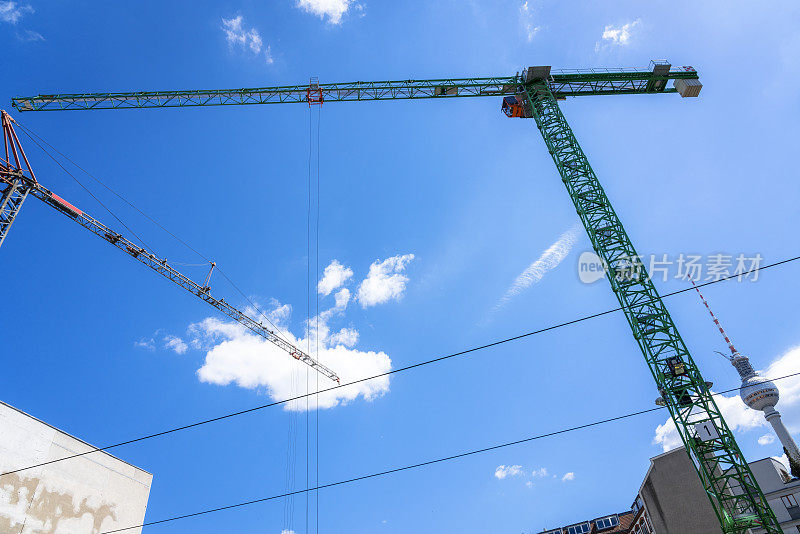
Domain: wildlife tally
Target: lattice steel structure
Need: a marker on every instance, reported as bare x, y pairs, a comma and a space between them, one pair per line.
14, 189
564, 84
723, 470
733, 491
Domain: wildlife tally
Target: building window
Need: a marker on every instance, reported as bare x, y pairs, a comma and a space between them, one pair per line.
637, 505
641, 526
583, 528
789, 501
606, 522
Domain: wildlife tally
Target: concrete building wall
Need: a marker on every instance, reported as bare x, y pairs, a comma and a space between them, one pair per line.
782, 493
85, 495
674, 498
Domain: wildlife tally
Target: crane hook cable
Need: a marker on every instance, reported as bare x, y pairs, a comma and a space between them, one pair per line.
316, 376
422, 464
33, 136
393, 371
308, 304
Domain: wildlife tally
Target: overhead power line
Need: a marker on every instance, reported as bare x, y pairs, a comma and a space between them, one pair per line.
393, 371
417, 465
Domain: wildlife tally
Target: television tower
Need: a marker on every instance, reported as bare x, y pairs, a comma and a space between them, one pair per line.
757, 392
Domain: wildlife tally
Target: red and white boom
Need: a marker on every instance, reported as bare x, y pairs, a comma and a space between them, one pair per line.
16, 183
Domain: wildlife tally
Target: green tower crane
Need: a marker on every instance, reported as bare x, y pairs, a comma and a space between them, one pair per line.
724, 473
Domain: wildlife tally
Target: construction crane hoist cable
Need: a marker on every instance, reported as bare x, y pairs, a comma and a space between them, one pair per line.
17, 182
724, 473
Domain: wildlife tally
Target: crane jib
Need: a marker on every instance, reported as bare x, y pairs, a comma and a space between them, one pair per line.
562, 84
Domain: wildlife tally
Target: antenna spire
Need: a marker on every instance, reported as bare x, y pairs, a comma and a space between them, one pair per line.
734, 352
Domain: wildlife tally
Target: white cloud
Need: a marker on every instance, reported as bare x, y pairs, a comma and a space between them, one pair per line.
317, 326
787, 364
236, 35
385, 281
30, 36
342, 297
619, 35
333, 277
333, 9
784, 460
176, 344
567, 477
237, 356
517, 471
170, 342
247, 39
504, 471
548, 261
284, 531
279, 314
12, 12
539, 473
146, 343
667, 436
234, 355
526, 19
766, 439
346, 336
739, 417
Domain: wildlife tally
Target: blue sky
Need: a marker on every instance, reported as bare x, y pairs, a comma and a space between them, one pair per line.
473, 196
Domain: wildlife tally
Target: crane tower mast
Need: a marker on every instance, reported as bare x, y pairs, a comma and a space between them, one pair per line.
724, 473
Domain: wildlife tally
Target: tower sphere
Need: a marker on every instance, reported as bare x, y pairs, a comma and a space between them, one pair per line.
759, 393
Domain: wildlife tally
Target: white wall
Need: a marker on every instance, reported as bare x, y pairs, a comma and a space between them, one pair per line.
85, 495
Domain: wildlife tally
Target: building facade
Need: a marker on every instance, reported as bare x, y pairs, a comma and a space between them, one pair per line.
674, 497
671, 485
620, 523
782, 492
671, 500
85, 495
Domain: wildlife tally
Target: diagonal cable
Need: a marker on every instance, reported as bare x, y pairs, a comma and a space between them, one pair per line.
35, 138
